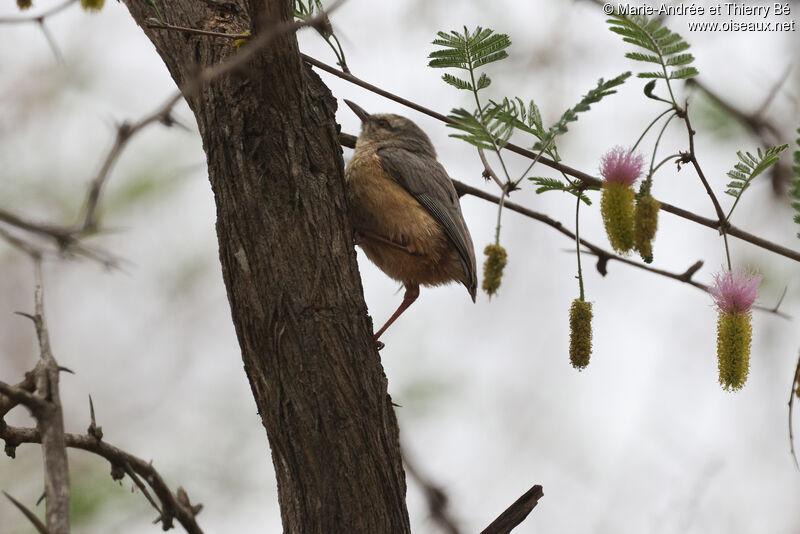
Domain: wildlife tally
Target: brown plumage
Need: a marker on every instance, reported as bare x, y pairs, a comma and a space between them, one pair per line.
405, 210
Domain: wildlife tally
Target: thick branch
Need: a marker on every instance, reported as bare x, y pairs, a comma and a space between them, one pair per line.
516, 513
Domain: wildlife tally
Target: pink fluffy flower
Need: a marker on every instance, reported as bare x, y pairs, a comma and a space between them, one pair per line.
735, 291
621, 166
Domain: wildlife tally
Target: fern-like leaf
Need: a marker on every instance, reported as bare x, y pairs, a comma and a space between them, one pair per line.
748, 167
603, 89
469, 51
473, 131
458, 83
665, 46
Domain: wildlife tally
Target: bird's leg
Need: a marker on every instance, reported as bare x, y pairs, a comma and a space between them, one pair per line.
412, 292
365, 234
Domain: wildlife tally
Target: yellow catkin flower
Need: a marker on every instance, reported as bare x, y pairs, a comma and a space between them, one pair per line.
580, 333
734, 335
92, 5
646, 224
616, 207
496, 259
239, 43
24, 4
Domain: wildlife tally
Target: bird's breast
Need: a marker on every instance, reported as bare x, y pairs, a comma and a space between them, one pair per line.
378, 205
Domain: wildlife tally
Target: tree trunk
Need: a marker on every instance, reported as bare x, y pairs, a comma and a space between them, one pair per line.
286, 248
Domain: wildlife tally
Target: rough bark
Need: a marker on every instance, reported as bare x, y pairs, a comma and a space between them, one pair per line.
276, 170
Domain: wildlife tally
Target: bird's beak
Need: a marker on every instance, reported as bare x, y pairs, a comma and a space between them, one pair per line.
363, 115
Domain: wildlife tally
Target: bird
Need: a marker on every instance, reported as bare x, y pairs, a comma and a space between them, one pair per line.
404, 209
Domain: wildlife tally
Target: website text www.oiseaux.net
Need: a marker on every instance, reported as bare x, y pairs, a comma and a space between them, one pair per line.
752, 18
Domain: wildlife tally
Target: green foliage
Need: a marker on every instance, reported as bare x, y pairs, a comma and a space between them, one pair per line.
603, 89
158, 19
749, 167
554, 184
305, 10
481, 129
667, 48
794, 191
468, 51
529, 119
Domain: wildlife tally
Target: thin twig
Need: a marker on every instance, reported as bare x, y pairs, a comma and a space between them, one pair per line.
51, 42
434, 495
580, 175
488, 172
692, 157
38, 18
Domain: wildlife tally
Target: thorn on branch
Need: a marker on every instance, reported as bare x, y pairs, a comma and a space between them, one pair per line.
28, 514
27, 315
95, 431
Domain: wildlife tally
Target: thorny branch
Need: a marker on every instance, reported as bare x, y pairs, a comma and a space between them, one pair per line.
38, 391
172, 506
575, 173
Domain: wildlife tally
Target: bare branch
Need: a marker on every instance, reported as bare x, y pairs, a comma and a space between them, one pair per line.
15, 395
67, 238
516, 513
171, 506
50, 421
27, 384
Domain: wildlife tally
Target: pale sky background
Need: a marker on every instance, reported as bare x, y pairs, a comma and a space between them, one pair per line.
643, 440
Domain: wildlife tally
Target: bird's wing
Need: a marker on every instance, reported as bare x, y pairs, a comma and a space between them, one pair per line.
427, 181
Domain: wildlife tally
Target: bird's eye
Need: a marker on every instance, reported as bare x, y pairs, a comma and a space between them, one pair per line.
383, 123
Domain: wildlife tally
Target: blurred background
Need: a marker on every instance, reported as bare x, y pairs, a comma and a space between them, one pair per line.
643, 440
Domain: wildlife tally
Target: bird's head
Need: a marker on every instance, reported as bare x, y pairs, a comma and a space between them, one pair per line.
390, 130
